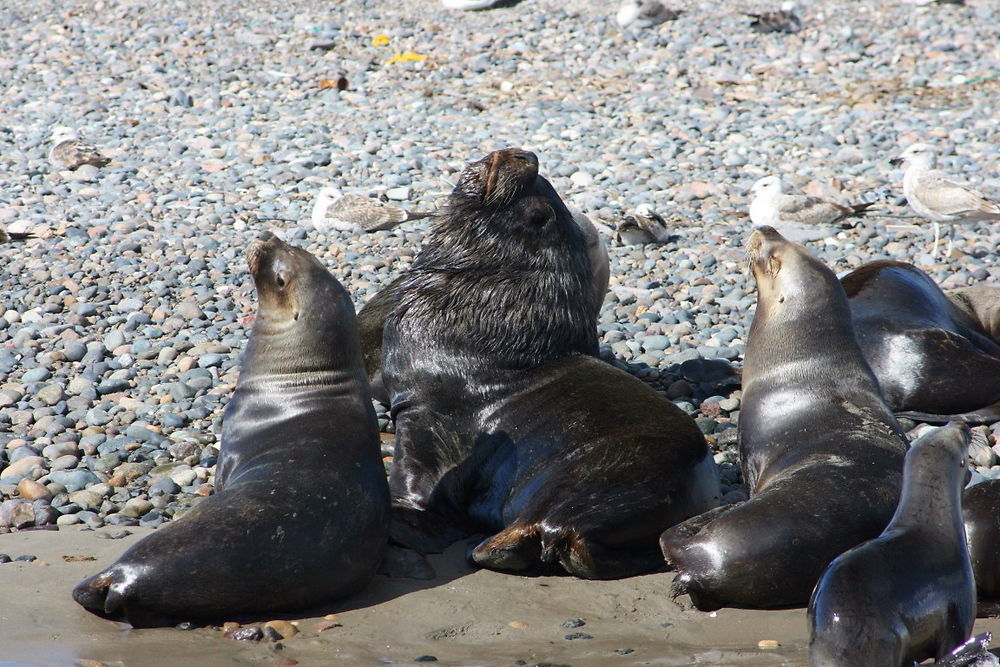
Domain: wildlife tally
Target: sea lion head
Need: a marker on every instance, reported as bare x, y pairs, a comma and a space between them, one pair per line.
790, 280
503, 213
942, 451
504, 272
304, 316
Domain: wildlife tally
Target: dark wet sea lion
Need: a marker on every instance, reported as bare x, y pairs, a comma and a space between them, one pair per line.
821, 453
981, 514
301, 510
932, 359
908, 594
371, 318
505, 421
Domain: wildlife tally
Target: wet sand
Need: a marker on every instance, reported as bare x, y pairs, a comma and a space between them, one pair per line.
462, 617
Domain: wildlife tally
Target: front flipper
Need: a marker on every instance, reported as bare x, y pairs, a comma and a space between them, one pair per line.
985, 415
534, 548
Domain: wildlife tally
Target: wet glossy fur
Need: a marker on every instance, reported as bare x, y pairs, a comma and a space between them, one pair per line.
301, 509
504, 420
821, 453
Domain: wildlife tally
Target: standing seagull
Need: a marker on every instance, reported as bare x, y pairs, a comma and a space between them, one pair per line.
69, 151
933, 195
783, 20
335, 210
639, 14
772, 208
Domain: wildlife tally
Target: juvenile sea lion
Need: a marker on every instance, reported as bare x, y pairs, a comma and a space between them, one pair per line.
932, 359
908, 594
371, 318
505, 421
301, 510
820, 451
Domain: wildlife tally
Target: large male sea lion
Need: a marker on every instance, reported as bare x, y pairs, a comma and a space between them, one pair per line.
505, 421
301, 510
371, 318
932, 359
908, 594
821, 452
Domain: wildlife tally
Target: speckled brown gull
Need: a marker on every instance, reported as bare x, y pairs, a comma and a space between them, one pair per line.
69, 151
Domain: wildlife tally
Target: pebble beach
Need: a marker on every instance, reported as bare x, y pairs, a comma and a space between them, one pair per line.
123, 319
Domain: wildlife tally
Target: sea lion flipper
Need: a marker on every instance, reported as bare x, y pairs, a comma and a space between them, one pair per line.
516, 548
986, 415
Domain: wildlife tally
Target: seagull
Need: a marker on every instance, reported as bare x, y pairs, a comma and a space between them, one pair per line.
346, 212
470, 4
643, 226
783, 20
70, 152
7, 235
935, 196
639, 14
772, 208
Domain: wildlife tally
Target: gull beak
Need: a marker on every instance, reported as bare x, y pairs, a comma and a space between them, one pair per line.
896, 161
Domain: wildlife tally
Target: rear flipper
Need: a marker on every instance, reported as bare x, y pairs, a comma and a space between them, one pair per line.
985, 415
675, 536
531, 548
972, 653
107, 594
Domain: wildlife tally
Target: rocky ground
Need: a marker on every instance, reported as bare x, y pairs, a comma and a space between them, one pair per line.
122, 322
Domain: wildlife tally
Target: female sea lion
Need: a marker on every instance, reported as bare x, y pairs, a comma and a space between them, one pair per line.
301, 510
371, 318
982, 304
505, 421
821, 452
933, 360
981, 515
908, 594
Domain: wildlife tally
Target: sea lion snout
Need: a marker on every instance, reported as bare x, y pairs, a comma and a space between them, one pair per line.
761, 251
257, 248
498, 178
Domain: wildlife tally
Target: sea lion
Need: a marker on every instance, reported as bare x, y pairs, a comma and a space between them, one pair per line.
981, 515
301, 510
908, 594
933, 360
821, 453
506, 423
371, 318
981, 303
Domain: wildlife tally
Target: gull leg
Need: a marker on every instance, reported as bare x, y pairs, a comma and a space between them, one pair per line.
937, 239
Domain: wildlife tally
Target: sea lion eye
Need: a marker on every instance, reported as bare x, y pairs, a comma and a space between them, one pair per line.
280, 281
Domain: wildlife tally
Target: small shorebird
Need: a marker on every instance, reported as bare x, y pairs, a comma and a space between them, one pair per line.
782, 20
643, 226
70, 152
639, 14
